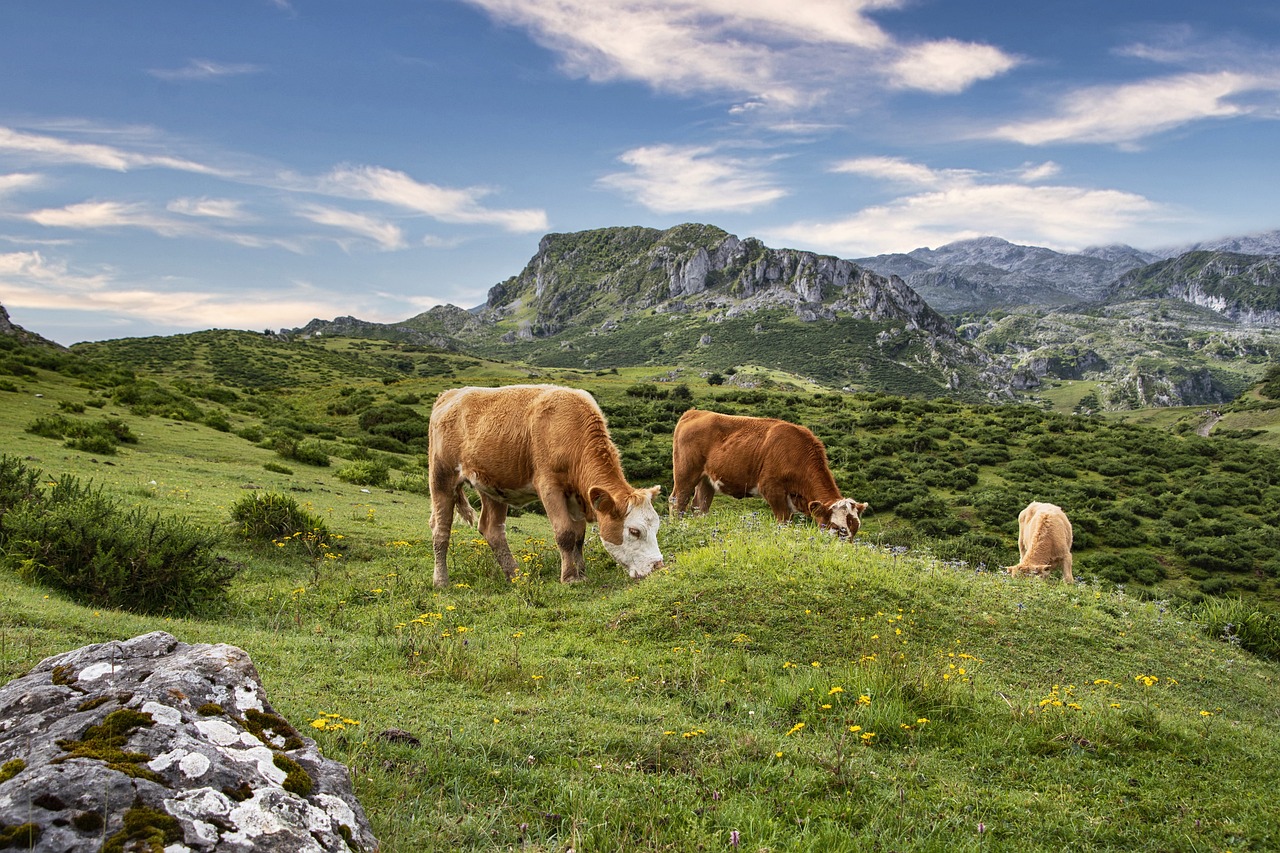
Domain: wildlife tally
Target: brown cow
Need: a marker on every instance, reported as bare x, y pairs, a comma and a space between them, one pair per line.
522, 442
743, 457
1044, 541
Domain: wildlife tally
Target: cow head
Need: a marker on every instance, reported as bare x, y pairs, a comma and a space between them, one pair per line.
842, 518
629, 529
1040, 571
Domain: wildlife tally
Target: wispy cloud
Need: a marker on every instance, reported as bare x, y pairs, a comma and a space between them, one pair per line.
954, 204
206, 69
361, 183
688, 179
42, 148
18, 181
375, 183
763, 50
212, 208
1126, 113
30, 280
385, 234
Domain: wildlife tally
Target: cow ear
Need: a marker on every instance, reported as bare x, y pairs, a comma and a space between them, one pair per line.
601, 500
817, 510
862, 507
653, 491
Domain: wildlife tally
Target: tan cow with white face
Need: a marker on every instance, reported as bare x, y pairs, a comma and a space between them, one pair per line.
522, 442
784, 463
1044, 541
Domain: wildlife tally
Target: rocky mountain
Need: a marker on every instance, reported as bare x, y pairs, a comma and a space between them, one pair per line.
1243, 288
698, 296
11, 331
1191, 330
1265, 243
985, 273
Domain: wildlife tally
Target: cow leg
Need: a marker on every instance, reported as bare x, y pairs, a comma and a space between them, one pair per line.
570, 528
493, 527
1066, 569
702, 495
444, 494
778, 502
687, 475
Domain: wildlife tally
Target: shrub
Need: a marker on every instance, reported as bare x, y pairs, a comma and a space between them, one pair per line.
373, 472
276, 468
218, 421
306, 452
265, 516
75, 538
1240, 623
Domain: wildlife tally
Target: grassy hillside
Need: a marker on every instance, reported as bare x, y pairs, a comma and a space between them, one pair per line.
1164, 511
771, 686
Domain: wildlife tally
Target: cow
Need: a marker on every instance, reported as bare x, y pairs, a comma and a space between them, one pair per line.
740, 456
520, 442
1044, 541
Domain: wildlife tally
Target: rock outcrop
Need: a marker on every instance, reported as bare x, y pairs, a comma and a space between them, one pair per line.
155, 743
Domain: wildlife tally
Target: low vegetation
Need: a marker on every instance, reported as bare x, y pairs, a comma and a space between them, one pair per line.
772, 688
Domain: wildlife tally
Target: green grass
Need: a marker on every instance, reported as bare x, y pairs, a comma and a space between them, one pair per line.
669, 713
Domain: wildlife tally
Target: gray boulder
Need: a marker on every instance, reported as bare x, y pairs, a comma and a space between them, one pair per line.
150, 743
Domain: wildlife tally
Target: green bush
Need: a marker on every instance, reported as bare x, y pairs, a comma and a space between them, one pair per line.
1235, 621
265, 516
306, 452
90, 436
373, 472
76, 539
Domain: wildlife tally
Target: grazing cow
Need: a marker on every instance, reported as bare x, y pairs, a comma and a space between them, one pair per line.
744, 457
1044, 541
522, 442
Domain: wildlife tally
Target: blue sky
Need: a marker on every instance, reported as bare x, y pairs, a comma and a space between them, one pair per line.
173, 166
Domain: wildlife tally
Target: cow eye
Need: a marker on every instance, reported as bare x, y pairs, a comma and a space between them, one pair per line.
634, 531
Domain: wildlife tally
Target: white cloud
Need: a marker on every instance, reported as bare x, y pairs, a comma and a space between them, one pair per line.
956, 204
28, 280
781, 54
445, 204
385, 234
51, 149
1129, 112
897, 170
95, 215
18, 181
948, 66
105, 214
205, 69
213, 208
686, 179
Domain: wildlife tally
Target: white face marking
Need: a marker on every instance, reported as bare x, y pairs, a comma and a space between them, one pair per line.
638, 552
844, 518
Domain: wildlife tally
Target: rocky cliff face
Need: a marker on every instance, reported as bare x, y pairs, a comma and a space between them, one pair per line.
1242, 288
595, 274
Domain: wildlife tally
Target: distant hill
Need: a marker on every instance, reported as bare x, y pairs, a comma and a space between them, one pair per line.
698, 297
985, 273
1146, 330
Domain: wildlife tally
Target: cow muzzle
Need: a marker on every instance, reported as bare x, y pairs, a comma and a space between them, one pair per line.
637, 574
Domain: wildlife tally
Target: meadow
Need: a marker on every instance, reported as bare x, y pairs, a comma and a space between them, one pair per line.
772, 689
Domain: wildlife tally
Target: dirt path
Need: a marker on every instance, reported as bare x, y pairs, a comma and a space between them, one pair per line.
1212, 421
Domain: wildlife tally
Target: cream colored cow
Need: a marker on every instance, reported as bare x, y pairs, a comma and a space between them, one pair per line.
1044, 541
